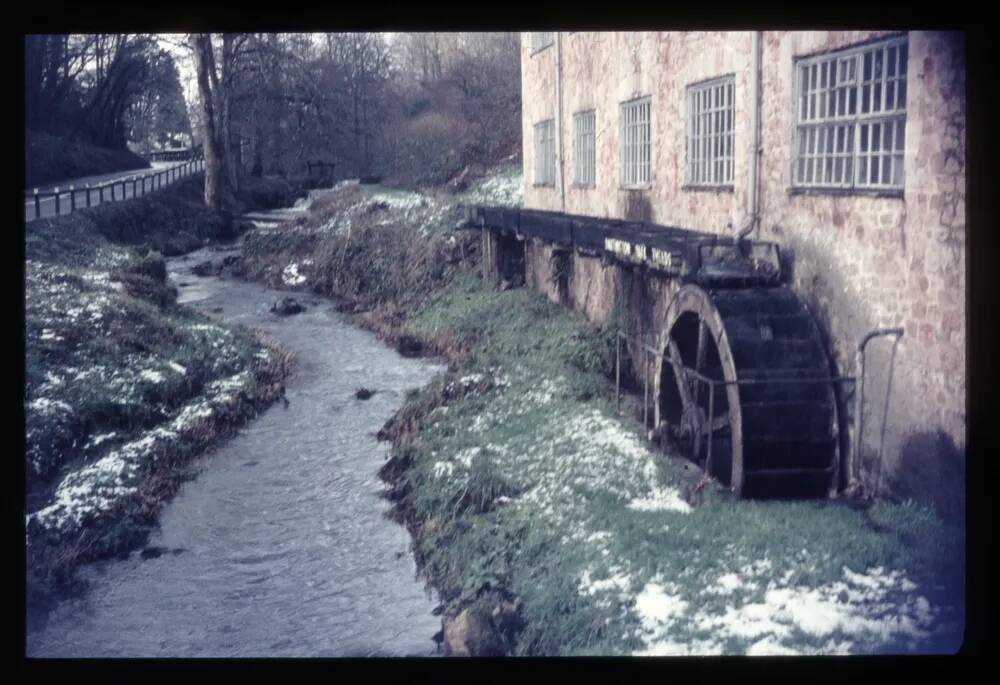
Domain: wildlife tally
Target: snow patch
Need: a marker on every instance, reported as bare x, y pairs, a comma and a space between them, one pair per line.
151, 376
101, 486
618, 580
661, 499
291, 275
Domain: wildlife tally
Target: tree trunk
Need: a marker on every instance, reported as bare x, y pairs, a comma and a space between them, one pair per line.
258, 158
277, 111
226, 132
214, 161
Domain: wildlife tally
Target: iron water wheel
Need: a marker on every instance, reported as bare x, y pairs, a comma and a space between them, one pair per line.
772, 435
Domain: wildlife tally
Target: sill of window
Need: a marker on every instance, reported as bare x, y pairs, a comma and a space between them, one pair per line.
845, 192
645, 187
543, 185
709, 189
584, 186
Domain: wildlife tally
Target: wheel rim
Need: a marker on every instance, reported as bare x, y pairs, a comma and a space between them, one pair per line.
694, 335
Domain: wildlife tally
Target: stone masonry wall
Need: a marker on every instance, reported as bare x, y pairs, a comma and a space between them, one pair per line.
859, 262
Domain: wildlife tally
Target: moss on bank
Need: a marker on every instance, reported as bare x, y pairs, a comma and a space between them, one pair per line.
546, 522
123, 386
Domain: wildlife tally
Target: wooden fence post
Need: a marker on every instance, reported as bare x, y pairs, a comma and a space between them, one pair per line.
57, 200
72, 199
38, 205
88, 195
100, 194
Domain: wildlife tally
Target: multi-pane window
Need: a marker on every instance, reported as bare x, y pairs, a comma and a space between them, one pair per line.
635, 143
545, 153
709, 149
851, 118
584, 149
541, 40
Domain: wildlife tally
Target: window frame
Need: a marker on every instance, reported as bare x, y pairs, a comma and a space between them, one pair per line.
590, 163
851, 124
624, 159
547, 154
693, 90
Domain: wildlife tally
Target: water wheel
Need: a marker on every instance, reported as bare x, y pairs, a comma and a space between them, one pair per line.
770, 436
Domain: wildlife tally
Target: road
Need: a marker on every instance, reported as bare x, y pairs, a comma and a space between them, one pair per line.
48, 204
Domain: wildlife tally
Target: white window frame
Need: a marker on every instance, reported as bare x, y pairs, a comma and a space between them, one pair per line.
834, 145
541, 40
709, 145
585, 149
545, 153
635, 143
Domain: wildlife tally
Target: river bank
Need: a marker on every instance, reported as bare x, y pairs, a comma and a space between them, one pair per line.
123, 386
542, 517
281, 546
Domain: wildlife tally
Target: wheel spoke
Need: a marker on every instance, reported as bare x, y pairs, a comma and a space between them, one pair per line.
699, 360
680, 375
718, 423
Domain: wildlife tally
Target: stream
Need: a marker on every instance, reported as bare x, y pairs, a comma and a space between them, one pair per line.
280, 547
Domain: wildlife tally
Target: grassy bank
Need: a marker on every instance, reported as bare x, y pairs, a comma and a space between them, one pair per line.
123, 386
49, 158
545, 521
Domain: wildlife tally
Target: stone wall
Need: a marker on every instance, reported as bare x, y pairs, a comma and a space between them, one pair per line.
859, 262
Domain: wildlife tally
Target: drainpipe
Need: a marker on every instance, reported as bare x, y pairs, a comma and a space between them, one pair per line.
752, 207
559, 128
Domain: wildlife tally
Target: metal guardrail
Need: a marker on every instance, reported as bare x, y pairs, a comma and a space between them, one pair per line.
92, 195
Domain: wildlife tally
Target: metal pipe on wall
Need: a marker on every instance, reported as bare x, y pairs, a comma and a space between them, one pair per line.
752, 206
559, 127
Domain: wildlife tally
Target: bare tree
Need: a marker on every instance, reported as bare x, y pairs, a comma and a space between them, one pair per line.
218, 189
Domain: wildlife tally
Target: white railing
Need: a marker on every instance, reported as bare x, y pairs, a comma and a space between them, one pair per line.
56, 202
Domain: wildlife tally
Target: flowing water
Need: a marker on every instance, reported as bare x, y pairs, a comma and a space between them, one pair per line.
280, 546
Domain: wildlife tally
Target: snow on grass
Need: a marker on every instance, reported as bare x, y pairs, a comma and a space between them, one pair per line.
151, 376
726, 584
94, 352
661, 499
291, 275
504, 187
861, 613
664, 578
347, 206
618, 581
44, 405
98, 440
658, 606
768, 646
98, 488
395, 199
